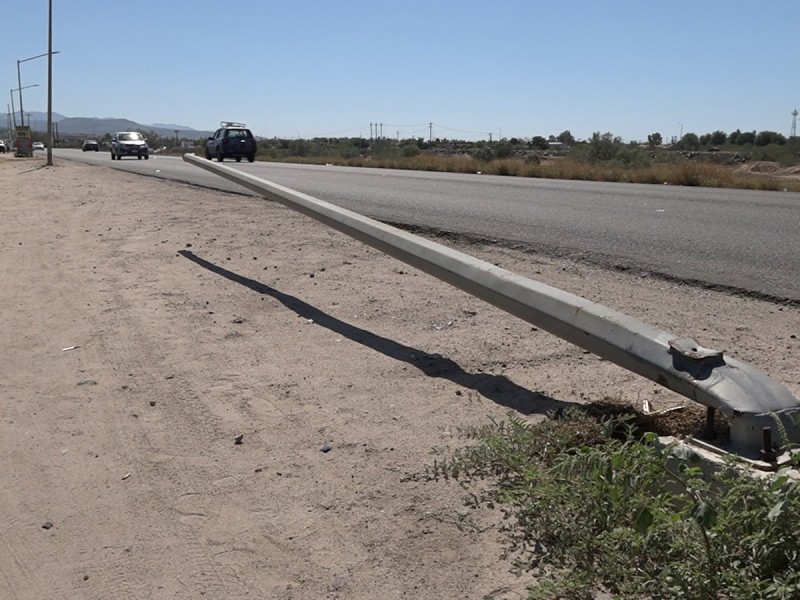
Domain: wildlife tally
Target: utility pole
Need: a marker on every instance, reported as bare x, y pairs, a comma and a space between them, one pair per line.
430, 132
49, 83
19, 85
49, 55
13, 110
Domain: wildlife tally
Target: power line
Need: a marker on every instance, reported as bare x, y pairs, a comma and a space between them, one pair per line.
411, 130
348, 130
406, 125
459, 130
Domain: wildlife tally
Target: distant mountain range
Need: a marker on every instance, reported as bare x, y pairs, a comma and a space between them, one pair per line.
97, 127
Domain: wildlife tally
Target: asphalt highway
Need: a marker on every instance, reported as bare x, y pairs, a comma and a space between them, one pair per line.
744, 241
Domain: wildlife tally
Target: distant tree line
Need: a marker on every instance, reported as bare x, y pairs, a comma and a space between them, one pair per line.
692, 141
600, 148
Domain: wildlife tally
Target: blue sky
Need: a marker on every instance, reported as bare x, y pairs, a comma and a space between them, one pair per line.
305, 68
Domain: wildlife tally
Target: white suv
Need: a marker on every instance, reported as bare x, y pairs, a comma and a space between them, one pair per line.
129, 143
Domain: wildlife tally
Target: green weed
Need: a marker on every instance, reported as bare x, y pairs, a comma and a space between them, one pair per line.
593, 504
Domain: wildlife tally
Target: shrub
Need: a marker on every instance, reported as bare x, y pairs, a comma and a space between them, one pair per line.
603, 147
484, 153
410, 150
594, 504
503, 150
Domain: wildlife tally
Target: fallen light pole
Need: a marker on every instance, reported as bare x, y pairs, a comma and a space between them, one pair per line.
752, 402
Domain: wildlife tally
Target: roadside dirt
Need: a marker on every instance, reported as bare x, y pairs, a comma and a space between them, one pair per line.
770, 168
147, 326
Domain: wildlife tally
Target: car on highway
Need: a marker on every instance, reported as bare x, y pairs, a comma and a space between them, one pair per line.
231, 140
129, 143
38, 145
90, 145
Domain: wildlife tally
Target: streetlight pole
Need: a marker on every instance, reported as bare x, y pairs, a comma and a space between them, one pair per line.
21, 124
13, 110
19, 87
19, 78
49, 83
16, 129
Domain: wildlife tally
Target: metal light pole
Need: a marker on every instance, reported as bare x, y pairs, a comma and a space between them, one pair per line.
17, 129
19, 87
19, 79
49, 83
13, 110
21, 124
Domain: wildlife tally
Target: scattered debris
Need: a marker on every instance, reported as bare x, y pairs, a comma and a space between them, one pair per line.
87, 382
238, 439
47, 525
68, 348
152, 402
326, 448
667, 410
124, 477
647, 409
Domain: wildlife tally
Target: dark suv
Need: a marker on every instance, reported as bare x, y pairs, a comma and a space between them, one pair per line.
231, 140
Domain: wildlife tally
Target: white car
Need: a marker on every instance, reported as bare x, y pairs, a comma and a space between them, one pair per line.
38, 145
129, 143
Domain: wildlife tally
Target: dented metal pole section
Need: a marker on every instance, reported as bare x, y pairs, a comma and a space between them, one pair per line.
749, 398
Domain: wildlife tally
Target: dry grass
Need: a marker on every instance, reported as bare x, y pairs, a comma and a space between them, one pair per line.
683, 173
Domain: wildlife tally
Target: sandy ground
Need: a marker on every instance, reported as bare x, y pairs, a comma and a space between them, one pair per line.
146, 325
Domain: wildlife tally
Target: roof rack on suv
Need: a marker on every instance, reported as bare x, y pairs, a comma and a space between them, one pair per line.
231, 124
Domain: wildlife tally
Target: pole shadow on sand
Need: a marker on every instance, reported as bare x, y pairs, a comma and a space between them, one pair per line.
497, 388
